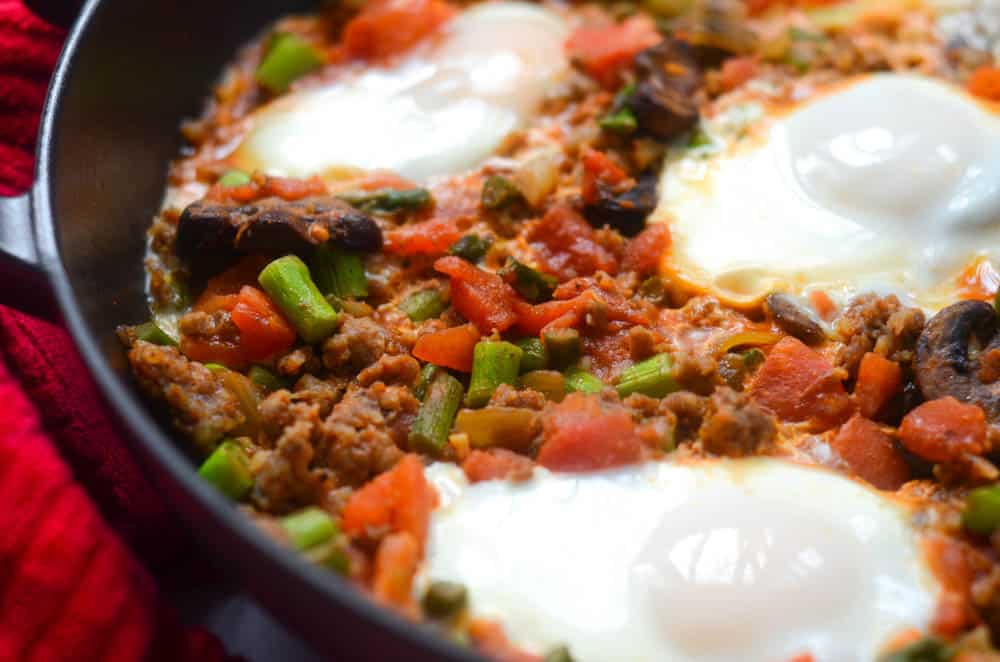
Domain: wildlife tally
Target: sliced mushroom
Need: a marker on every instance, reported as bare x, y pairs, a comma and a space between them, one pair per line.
273, 226
663, 101
717, 30
626, 212
951, 353
793, 319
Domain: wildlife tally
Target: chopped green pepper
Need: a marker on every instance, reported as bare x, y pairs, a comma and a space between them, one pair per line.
500, 193
578, 379
493, 363
982, 510
228, 469
534, 355
444, 599
752, 358
339, 272
563, 346
288, 57
234, 178
549, 383
531, 284
508, 427
152, 333
471, 247
699, 139
928, 649
623, 122
653, 377
215, 367
423, 305
559, 654
265, 378
430, 429
389, 200
290, 286
309, 527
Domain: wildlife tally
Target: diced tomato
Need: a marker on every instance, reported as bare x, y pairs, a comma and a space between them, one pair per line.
902, 639
610, 352
757, 7
944, 430
531, 320
382, 179
567, 246
450, 348
736, 71
263, 331
571, 305
644, 251
870, 454
289, 188
605, 52
582, 435
598, 169
224, 352
879, 380
985, 83
954, 563
433, 237
401, 499
823, 304
231, 281
979, 280
803, 657
496, 464
263, 186
389, 27
479, 296
798, 384
396, 562
490, 639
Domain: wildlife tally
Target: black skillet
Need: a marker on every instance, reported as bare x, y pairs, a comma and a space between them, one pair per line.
130, 72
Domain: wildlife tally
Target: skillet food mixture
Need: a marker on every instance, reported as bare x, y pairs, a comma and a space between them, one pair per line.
658, 331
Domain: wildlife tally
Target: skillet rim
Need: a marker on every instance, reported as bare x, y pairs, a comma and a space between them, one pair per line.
146, 436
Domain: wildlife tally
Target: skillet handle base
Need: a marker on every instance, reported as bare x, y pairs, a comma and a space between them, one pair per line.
23, 284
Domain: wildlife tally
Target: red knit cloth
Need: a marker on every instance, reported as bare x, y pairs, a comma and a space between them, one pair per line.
79, 523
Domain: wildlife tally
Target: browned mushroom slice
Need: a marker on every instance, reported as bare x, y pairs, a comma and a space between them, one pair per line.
626, 212
273, 226
717, 29
958, 354
793, 319
663, 101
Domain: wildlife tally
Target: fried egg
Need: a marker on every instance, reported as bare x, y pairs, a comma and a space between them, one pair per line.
440, 110
755, 560
889, 183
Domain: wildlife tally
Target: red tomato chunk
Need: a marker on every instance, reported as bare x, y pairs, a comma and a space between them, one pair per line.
580, 434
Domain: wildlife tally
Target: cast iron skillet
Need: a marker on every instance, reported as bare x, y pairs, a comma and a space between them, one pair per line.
73, 245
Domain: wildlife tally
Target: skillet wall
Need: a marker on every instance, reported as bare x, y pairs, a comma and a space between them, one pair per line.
139, 69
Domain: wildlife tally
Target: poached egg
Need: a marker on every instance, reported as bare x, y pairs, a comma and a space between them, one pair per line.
755, 560
439, 110
889, 183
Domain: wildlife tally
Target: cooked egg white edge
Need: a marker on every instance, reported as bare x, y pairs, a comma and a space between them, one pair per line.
756, 560
890, 184
441, 110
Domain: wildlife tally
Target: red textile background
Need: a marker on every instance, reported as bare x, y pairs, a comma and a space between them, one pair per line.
81, 529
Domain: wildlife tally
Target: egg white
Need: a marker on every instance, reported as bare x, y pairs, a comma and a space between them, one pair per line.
753, 560
439, 110
890, 183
